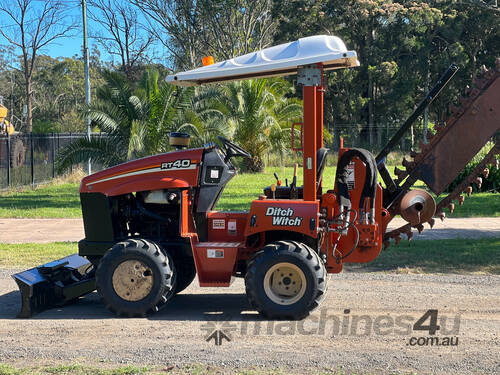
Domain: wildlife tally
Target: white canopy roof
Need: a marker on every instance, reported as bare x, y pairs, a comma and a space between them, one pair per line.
274, 61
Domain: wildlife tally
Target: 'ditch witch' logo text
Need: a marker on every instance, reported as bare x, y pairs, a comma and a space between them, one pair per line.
283, 217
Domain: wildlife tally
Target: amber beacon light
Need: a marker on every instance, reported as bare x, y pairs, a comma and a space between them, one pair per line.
208, 60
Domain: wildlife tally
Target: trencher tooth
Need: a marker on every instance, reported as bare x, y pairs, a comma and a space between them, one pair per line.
400, 172
407, 164
486, 172
453, 108
431, 223
478, 181
461, 200
397, 239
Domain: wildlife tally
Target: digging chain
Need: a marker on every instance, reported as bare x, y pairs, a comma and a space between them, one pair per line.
465, 187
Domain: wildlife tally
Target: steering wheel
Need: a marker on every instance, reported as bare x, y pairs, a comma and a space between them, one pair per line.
232, 149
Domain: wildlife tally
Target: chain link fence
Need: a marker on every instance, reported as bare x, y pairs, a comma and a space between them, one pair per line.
29, 159
372, 138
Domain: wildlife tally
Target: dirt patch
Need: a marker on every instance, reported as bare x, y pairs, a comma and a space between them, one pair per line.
85, 331
41, 230
60, 230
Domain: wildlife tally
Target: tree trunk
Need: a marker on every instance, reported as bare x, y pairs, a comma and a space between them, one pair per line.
369, 43
426, 111
29, 104
370, 108
253, 165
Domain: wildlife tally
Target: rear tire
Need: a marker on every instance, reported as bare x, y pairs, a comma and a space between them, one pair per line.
16, 153
135, 277
286, 280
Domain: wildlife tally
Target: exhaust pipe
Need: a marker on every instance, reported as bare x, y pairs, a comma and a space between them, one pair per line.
54, 284
417, 207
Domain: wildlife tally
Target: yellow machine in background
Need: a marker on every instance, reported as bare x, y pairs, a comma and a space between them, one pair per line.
5, 126
17, 149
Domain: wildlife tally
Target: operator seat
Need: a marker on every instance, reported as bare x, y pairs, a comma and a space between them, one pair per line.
283, 192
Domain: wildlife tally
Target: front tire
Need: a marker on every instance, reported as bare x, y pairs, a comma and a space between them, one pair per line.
135, 277
286, 280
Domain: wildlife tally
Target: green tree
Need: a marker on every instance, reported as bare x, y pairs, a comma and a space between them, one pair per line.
137, 122
121, 115
191, 29
403, 47
30, 29
180, 109
258, 112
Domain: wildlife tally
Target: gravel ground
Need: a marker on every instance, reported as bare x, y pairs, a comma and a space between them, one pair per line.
86, 332
54, 230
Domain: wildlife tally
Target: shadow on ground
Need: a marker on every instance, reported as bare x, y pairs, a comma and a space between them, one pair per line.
452, 256
187, 307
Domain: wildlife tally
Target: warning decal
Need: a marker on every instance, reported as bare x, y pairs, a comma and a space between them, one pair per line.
350, 176
219, 224
215, 253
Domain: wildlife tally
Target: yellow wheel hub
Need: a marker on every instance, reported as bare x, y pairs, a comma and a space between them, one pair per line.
132, 280
285, 283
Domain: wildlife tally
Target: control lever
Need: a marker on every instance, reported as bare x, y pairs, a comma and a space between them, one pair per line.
293, 186
278, 181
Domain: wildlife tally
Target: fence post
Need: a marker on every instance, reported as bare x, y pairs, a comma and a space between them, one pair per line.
71, 165
32, 161
8, 161
53, 141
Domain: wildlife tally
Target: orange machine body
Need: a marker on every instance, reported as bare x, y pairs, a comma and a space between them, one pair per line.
222, 242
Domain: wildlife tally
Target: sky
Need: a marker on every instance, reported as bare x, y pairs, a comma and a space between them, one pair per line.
72, 45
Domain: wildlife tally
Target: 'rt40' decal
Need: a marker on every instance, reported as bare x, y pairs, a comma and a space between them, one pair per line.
178, 164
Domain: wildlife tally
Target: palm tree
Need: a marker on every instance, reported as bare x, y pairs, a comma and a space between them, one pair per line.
137, 123
258, 112
120, 114
180, 109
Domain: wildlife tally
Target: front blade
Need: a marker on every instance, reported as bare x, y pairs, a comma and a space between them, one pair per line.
53, 284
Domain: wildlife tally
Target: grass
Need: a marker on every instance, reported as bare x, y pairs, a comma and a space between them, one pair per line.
34, 254
50, 201
196, 369
464, 256
478, 205
60, 199
75, 370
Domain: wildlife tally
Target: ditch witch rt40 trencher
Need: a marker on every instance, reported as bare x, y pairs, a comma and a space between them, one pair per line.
151, 227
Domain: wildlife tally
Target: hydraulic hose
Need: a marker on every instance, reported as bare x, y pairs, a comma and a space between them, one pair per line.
370, 186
